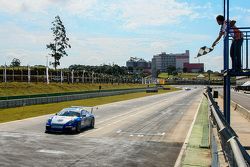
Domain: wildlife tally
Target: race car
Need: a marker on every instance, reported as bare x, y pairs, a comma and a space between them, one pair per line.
72, 119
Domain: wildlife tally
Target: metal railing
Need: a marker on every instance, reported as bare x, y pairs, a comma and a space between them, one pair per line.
234, 151
245, 46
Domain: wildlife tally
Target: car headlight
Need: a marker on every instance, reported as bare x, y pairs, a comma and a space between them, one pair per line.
49, 121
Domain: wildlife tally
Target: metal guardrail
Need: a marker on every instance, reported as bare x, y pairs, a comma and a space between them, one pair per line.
234, 151
56, 99
61, 94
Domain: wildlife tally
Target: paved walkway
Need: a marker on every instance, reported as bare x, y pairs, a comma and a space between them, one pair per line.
240, 125
239, 97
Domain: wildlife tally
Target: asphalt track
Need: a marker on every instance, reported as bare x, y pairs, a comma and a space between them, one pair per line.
145, 132
240, 98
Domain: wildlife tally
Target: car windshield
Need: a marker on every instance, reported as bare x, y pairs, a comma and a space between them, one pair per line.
69, 113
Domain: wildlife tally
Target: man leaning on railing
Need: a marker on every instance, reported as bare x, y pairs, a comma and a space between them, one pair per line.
236, 34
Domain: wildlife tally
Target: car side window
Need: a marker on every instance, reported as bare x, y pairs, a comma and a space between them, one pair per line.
88, 114
83, 113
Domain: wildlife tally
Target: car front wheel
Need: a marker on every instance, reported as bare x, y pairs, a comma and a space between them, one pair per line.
92, 125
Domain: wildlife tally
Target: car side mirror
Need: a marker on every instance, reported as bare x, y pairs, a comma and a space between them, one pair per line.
83, 115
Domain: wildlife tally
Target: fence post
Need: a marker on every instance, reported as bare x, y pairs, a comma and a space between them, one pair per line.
21, 75
72, 76
47, 74
93, 76
13, 75
83, 76
37, 74
28, 74
5, 73
61, 76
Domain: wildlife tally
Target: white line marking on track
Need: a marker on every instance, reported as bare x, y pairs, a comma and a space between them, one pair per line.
141, 134
11, 135
139, 111
135, 112
51, 151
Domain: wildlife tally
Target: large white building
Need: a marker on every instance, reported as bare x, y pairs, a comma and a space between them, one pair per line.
161, 62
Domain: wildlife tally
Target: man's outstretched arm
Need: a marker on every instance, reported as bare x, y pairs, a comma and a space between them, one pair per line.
218, 39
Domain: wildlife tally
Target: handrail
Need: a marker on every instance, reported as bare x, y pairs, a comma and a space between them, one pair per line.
227, 132
245, 46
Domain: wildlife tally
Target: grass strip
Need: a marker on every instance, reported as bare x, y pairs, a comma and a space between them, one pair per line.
18, 113
21, 88
195, 155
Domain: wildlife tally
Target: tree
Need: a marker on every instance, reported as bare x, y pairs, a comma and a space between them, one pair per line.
171, 69
60, 42
15, 62
209, 71
185, 69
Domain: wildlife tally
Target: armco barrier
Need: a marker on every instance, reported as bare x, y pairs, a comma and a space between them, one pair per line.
56, 99
57, 94
234, 151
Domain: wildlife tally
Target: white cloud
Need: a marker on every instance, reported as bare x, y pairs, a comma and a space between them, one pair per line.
16, 6
99, 50
137, 13
37, 6
79, 7
133, 13
241, 9
28, 44
213, 62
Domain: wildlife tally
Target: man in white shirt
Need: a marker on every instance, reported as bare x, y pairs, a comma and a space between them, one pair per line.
236, 34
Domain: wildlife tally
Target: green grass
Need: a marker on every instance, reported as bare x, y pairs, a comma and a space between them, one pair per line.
213, 76
196, 155
20, 88
18, 113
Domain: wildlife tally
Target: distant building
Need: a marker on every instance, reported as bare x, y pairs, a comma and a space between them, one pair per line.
138, 65
194, 67
162, 61
181, 59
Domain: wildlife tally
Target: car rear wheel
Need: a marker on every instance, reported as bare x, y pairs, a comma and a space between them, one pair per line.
92, 125
78, 127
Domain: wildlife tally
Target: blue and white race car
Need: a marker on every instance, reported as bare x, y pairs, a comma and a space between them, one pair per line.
72, 119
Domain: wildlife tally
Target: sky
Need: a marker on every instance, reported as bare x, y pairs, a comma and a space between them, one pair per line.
112, 31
